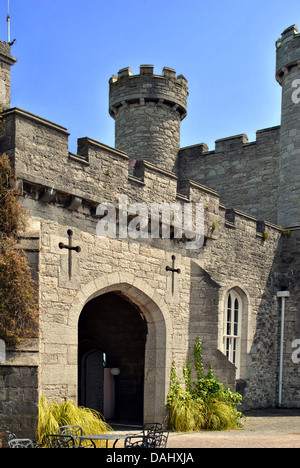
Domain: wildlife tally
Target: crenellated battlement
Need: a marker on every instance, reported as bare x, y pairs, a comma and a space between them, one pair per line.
147, 110
49, 174
287, 52
233, 143
244, 173
165, 89
38, 150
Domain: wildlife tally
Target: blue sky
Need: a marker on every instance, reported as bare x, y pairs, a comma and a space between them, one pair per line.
68, 49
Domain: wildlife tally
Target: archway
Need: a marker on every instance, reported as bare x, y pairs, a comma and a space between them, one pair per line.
111, 340
158, 355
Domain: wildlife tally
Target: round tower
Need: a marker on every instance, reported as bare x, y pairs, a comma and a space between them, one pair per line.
6, 62
148, 109
288, 76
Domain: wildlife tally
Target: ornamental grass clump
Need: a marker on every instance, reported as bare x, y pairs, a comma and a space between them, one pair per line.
66, 413
204, 404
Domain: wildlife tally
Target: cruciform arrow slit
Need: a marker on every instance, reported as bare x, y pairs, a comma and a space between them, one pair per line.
173, 270
70, 248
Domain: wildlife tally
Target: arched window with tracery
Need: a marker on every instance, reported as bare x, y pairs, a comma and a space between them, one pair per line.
232, 328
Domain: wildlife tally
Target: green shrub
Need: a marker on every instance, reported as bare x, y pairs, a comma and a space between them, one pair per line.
204, 404
67, 413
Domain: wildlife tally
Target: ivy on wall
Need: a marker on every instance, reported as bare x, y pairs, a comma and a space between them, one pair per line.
18, 302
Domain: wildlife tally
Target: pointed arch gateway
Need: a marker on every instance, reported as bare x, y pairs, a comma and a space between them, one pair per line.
109, 300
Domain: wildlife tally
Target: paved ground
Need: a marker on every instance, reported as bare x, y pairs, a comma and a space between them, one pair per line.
267, 429
262, 429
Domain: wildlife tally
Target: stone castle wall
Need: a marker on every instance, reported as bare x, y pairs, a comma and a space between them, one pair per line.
64, 194
245, 174
19, 399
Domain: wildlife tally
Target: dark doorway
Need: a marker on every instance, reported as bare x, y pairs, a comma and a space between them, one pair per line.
111, 340
92, 380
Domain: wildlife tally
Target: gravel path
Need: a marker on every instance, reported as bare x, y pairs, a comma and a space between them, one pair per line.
262, 429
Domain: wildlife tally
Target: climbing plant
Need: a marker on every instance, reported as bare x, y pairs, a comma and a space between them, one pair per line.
18, 304
204, 404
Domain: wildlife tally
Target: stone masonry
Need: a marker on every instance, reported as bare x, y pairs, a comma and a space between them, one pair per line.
288, 75
148, 110
245, 252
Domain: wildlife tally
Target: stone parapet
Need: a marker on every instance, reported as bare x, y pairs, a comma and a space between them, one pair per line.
245, 174
98, 173
147, 110
287, 52
126, 89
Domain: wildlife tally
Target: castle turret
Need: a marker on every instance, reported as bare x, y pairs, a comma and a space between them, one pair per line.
288, 75
6, 61
148, 109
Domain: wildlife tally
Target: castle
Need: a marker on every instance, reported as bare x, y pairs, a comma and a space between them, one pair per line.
116, 311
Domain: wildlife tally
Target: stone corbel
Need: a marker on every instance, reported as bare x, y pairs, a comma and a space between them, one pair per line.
74, 203
16, 184
47, 195
286, 71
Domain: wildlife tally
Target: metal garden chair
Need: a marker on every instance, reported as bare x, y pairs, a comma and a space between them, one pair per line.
150, 428
60, 441
20, 443
140, 441
76, 432
156, 430
161, 439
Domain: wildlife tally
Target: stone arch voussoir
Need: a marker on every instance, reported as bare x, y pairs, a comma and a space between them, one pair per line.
156, 312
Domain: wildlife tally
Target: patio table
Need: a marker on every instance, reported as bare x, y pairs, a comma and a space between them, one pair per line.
106, 436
